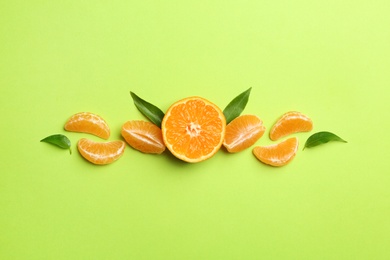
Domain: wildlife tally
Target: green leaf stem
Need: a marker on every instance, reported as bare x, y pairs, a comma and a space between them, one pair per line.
322, 138
59, 140
149, 110
236, 106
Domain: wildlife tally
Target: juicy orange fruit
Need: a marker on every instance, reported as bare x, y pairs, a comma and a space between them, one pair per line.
193, 129
243, 132
289, 123
143, 136
86, 122
101, 153
277, 154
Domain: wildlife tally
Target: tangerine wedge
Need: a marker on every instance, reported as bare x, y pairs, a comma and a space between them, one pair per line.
289, 123
243, 132
101, 153
277, 154
143, 136
193, 129
86, 122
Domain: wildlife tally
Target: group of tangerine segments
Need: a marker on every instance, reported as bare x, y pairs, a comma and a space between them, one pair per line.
282, 153
193, 129
245, 130
96, 152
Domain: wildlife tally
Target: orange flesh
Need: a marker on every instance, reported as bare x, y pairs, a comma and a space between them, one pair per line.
243, 132
143, 136
193, 129
277, 154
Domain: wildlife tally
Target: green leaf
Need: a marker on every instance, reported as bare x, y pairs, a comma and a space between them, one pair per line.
236, 106
149, 110
59, 140
322, 138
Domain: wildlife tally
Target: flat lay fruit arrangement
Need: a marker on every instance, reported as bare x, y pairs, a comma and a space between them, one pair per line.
193, 129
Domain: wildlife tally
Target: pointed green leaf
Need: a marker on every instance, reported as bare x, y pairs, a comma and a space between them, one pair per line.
236, 106
322, 138
59, 140
149, 110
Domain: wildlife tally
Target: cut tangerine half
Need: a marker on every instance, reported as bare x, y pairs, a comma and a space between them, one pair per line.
101, 153
193, 129
289, 123
86, 122
243, 132
143, 136
277, 154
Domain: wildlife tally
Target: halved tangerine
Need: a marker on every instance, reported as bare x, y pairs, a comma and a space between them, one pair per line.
277, 154
243, 132
101, 153
86, 122
143, 136
289, 123
193, 129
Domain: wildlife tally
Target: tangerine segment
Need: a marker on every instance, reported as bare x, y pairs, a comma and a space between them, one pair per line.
143, 136
289, 123
193, 129
86, 122
101, 153
243, 132
277, 154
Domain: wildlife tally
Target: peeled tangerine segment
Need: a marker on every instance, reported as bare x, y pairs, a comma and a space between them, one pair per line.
277, 154
143, 136
101, 152
86, 122
243, 132
289, 123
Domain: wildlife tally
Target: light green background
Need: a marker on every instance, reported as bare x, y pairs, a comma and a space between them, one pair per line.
327, 59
